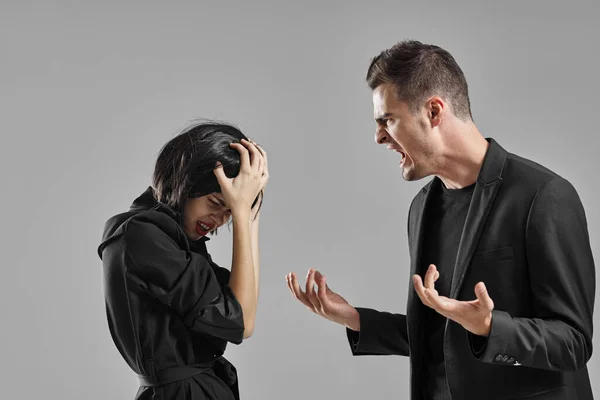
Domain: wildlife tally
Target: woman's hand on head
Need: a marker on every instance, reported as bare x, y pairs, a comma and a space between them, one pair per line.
265, 174
240, 192
256, 208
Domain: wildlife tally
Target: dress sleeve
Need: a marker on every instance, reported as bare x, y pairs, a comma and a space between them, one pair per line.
182, 280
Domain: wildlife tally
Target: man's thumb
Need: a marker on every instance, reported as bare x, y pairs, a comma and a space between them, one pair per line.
483, 296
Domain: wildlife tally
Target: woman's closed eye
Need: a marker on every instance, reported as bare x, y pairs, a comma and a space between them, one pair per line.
218, 204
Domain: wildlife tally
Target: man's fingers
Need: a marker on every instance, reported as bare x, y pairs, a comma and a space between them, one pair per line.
296, 288
290, 285
449, 308
430, 276
301, 296
309, 283
321, 281
288, 281
323, 289
483, 296
420, 289
310, 290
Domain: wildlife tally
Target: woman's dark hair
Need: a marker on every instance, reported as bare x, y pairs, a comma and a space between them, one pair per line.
418, 71
185, 165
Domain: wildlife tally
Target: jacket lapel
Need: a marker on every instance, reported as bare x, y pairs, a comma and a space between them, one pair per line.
416, 250
484, 193
417, 232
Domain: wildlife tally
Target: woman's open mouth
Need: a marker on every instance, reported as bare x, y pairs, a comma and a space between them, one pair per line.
203, 228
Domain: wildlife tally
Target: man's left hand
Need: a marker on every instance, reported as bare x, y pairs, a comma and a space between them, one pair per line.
475, 316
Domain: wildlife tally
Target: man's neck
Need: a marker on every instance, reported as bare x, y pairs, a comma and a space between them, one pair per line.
462, 154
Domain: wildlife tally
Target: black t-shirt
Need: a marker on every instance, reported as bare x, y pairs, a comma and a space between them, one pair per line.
445, 219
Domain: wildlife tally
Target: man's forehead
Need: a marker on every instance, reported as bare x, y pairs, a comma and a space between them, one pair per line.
378, 103
382, 103
385, 102
382, 96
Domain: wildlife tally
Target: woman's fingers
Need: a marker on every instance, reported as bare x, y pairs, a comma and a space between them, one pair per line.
221, 177
263, 153
244, 156
256, 159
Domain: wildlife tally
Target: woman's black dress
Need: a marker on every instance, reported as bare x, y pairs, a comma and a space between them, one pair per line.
170, 309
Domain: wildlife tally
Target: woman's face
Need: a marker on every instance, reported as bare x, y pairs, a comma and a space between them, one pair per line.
202, 215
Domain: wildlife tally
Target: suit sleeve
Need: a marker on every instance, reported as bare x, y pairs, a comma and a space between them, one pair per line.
562, 280
182, 280
381, 333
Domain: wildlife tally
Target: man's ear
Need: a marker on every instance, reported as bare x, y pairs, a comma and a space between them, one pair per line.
435, 108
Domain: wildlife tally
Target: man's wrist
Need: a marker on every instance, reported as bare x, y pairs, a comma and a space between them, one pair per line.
353, 322
487, 326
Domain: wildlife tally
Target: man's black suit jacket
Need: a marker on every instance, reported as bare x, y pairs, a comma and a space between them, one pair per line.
526, 238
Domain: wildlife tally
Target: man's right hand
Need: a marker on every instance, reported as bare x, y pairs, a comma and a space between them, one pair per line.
323, 301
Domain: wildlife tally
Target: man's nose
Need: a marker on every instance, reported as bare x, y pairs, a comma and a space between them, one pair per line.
381, 136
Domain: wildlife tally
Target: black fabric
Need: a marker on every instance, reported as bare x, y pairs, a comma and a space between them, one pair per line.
380, 333
525, 236
173, 374
445, 219
169, 306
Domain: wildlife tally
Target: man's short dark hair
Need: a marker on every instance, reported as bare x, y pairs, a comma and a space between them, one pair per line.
419, 71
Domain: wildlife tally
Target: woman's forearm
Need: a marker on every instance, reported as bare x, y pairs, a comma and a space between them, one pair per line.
255, 252
242, 278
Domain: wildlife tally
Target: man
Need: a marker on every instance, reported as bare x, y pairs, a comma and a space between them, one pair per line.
502, 271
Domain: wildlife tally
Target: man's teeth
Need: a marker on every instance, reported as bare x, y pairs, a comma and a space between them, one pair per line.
204, 226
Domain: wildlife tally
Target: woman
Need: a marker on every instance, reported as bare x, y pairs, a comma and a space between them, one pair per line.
171, 310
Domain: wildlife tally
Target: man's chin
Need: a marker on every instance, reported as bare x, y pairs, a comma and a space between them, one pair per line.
410, 175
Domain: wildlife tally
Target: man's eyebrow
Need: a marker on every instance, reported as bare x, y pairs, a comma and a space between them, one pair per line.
381, 119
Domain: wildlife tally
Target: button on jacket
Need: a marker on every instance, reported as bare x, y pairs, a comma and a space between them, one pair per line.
526, 238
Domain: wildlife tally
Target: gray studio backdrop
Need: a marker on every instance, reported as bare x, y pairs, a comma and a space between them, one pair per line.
91, 91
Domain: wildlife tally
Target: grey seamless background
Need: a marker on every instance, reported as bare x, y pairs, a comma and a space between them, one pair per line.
90, 91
